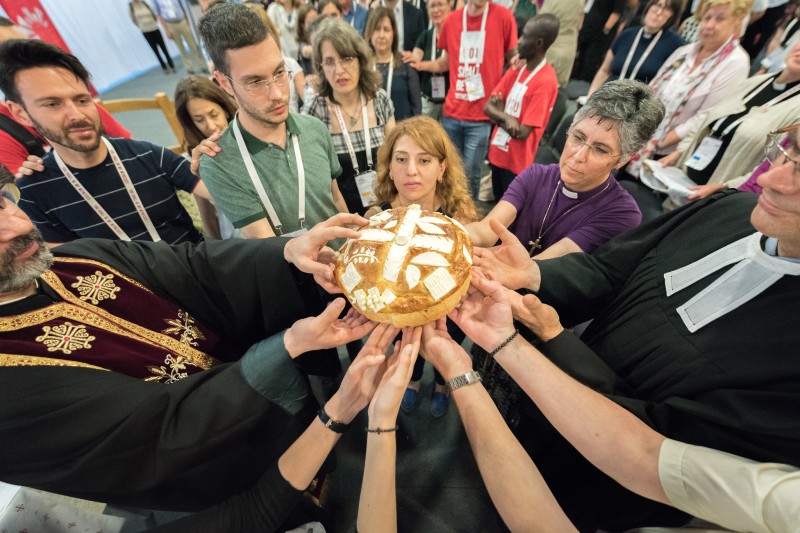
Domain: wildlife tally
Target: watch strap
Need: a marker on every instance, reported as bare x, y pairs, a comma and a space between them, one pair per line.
463, 380
330, 423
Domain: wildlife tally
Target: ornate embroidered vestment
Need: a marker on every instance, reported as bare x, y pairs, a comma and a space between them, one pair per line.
108, 321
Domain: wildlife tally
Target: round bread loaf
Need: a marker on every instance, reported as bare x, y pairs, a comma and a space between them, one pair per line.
409, 267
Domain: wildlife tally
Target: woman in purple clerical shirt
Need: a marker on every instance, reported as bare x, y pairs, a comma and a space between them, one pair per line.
577, 204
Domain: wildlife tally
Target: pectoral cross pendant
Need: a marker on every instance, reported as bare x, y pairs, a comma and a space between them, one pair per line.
534, 246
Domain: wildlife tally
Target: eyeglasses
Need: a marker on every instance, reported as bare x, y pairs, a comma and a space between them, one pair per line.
781, 147
436, 5
663, 8
576, 141
281, 78
8, 193
345, 62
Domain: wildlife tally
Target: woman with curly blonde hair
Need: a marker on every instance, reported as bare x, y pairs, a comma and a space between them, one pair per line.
418, 164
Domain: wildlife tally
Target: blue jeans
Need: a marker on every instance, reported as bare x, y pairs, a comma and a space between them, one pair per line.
472, 141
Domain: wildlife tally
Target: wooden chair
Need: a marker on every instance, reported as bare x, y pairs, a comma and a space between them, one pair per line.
160, 102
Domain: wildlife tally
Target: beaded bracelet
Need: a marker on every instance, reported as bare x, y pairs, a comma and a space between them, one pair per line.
381, 430
504, 343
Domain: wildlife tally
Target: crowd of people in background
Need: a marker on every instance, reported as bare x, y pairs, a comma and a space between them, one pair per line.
302, 120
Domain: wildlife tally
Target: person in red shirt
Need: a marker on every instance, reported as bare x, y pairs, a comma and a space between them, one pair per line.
476, 40
521, 104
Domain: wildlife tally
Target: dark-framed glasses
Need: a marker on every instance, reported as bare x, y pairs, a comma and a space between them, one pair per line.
345, 62
9, 193
281, 79
782, 147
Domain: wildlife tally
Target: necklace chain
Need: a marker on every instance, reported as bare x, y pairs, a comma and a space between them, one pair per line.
536, 245
356, 114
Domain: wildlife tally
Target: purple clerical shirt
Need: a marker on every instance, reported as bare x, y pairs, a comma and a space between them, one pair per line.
587, 218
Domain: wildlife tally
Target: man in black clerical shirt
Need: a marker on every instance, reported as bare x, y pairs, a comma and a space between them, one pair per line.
694, 330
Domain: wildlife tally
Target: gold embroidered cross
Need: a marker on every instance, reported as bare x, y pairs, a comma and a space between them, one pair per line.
66, 338
96, 288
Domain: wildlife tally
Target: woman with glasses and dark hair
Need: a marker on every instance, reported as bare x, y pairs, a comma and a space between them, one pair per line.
400, 81
638, 52
350, 102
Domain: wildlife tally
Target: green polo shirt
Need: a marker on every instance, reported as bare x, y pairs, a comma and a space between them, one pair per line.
227, 180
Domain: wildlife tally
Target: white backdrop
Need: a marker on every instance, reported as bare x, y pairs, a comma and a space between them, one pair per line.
100, 33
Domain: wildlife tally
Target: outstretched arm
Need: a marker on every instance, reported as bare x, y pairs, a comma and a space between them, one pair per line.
377, 506
600, 430
515, 485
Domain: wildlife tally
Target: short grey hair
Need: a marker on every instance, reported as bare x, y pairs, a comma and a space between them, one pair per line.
631, 107
230, 27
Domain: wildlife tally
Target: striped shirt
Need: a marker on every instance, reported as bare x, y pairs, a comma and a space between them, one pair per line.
62, 215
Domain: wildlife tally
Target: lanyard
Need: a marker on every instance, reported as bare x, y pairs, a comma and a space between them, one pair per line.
346, 135
483, 22
433, 45
532, 74
94, 204
787, 32
389, 76
782, 96
641, 59
262, 194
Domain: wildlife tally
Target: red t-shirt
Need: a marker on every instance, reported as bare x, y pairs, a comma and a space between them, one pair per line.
537, 104
13, 153
501, 37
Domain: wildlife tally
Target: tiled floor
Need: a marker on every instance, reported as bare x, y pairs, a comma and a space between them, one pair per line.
439, 489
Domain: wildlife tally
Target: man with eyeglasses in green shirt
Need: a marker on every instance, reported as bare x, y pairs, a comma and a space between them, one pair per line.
276, 171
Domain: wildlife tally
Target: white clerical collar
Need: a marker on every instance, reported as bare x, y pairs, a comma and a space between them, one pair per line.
569, 194
753, 272
771, 247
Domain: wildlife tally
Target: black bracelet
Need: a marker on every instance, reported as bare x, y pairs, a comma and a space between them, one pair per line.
504, 343
381, 430
334, 425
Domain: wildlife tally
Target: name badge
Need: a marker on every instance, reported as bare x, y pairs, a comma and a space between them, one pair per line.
474, 86
704, 154
471, 51
514, 100
501, 139
366, 187
437, 87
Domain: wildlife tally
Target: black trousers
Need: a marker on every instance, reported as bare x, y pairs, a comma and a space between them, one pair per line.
760, 32
591, 52
501, 179
156, 41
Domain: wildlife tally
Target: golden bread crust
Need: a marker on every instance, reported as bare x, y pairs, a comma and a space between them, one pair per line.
408, 268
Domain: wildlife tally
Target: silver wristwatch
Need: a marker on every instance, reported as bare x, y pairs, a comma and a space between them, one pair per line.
462, 381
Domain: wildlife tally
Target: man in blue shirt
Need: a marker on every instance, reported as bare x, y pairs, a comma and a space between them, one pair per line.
354, 14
